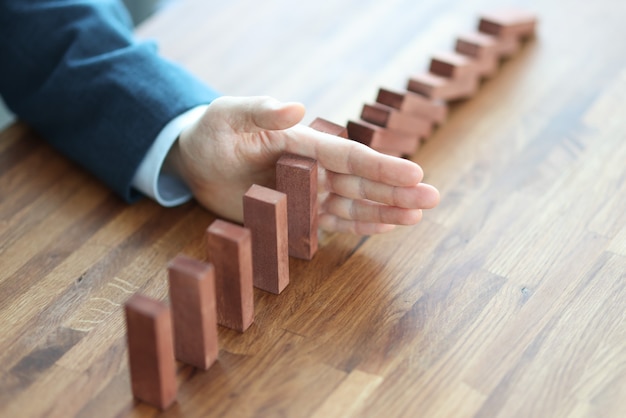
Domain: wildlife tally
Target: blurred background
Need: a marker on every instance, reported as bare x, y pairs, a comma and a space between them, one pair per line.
140, 10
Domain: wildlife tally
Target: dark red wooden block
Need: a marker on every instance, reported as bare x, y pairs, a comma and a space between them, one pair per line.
151, 351
481, 47
296, 176
229, 249
414, 104
453, 65
328, 127
504, 23
442, 88
390, 118
194, 314
383, 140
265, 214
507, 46
510, 27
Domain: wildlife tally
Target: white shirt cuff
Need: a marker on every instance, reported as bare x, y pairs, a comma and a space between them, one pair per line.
166, 189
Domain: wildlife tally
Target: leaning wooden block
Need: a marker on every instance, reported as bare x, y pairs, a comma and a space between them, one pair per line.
194, 315
509, 27
390, 118
381, 139
151, 351
328, 127
505, 23
481, 47
507, 46
428, 84
452, 65
229, 249
296, 176
443, 88
414, 104
265, 214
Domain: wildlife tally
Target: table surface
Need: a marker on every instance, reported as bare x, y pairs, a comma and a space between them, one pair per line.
507, 300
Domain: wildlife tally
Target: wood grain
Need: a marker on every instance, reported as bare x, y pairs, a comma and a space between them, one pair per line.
507, 300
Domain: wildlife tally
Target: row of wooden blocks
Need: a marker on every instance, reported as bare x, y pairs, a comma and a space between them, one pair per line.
399, 121
277, 224
283, 222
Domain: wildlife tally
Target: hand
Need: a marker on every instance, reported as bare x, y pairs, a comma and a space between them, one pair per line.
238, 141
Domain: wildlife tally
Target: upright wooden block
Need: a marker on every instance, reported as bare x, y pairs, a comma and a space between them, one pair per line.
150, 351
265, 214
481, 47
328, 127
414, 104
437, 87
383, 140
390, 118
229, 250
194, 315
453, 65
296, 176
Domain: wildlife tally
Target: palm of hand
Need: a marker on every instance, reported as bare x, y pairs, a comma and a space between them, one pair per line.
238, 141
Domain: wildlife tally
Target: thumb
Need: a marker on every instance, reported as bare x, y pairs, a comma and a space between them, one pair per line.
259, 113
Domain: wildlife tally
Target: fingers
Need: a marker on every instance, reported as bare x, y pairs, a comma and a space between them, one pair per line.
351, 157
367, 211
333, 223
256, 114
420, 196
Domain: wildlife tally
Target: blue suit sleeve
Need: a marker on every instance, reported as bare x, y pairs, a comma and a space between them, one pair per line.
73, 71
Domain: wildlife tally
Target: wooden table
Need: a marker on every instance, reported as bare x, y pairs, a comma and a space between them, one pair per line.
507, 300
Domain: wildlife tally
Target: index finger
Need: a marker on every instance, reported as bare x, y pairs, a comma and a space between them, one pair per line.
351, 157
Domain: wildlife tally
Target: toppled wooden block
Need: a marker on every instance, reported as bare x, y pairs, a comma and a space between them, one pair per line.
328, 127
151, 351
296, 176
194, 314
412, 103
265, 214
229, 249
381, 139
481, 47
443, 88
395, 120
452, 65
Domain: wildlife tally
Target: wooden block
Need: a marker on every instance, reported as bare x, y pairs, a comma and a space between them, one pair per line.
265, 214
481, 47
428, 84
296, 176
442, 88
151, 351
507, 46
229, 249
452, 65
475, 44
510, 27
505, 23
390, 118
414, 104
328, 127
381, 139
194, 314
